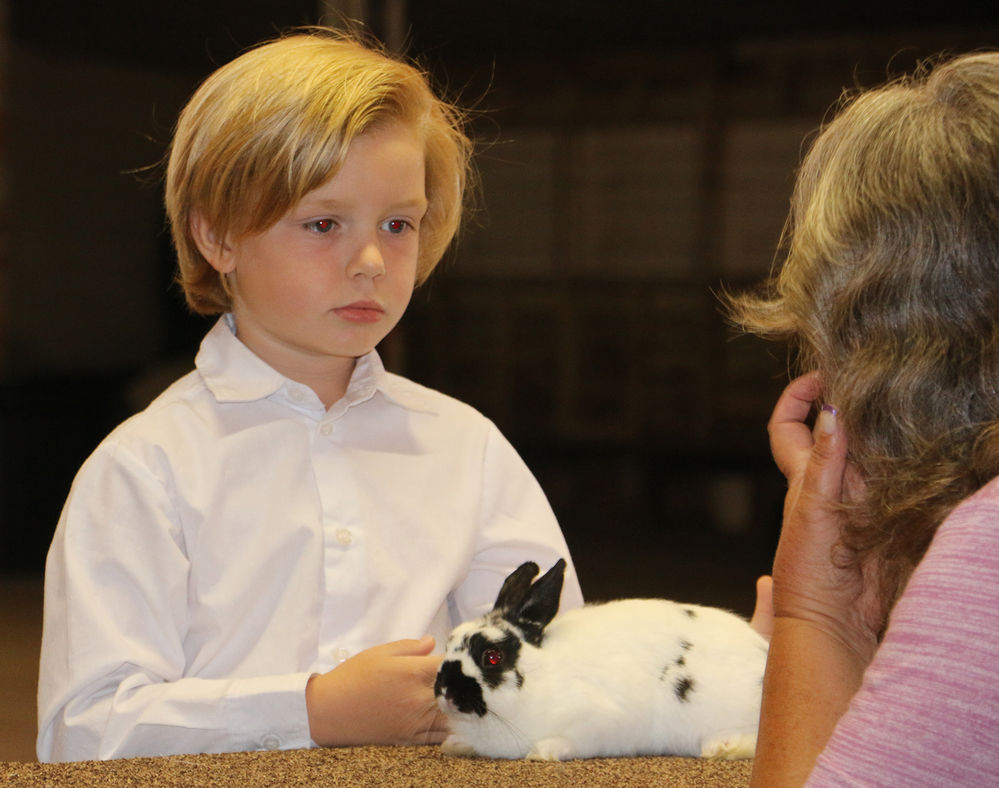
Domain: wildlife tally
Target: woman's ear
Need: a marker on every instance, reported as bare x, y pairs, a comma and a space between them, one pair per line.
216, 251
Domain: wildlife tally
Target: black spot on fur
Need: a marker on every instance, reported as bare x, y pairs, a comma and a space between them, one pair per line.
682, 687
464, 692
533, 633
690, 613
509, 647
680, 661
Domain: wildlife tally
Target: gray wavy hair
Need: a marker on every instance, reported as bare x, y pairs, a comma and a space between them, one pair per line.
890, 287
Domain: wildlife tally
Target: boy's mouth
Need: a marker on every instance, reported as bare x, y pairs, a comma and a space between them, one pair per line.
360, 312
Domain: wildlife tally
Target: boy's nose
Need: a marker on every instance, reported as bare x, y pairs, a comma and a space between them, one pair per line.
368, 261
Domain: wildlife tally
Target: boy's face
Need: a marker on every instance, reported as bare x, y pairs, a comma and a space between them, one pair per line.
332, 277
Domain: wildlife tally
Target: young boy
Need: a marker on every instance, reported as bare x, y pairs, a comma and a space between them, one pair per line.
246, 563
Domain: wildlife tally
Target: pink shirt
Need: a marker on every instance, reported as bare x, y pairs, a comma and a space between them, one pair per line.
928, 710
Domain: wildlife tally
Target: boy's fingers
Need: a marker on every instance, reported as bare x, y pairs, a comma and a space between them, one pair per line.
437, 723
409, 647
426, 668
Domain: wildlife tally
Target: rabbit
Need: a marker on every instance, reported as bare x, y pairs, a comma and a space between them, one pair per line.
623, 678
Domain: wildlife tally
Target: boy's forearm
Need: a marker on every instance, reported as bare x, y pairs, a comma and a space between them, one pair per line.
183, 716
810, 679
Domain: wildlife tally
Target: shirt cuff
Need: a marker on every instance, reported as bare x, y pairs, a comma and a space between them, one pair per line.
269, 713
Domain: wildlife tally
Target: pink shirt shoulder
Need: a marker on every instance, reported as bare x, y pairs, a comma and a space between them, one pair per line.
928, 711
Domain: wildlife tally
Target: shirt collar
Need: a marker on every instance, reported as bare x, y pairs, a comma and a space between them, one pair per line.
234, 373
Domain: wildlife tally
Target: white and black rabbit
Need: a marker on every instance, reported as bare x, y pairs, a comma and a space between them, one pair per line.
624, 678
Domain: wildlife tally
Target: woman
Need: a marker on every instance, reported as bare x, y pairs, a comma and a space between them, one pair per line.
884, 659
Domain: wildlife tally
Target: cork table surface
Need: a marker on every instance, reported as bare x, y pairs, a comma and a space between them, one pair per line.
384, 767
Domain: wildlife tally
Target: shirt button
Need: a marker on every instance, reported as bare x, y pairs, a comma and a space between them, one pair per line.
271, 742
341, 655
326, 429
344, 536
297, 394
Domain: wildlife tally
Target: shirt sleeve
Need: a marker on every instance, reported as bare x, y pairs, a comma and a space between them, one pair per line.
516, 524
112, 677
927, 712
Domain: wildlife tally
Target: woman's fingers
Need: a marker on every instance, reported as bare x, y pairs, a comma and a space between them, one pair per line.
790, 438
827, 459
763, 614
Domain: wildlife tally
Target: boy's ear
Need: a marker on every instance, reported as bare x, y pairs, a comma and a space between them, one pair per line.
216, 251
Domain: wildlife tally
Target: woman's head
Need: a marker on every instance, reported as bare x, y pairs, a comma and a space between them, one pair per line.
276, 122
893, 238
890, 286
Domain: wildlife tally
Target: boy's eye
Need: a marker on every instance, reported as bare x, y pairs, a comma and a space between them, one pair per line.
396, 226
320, 225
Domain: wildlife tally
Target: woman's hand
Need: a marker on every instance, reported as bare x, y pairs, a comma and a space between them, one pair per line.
384, 695
763, 613
810, 584
826, 616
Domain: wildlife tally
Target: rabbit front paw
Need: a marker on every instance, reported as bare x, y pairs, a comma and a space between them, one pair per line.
730, 746
551, 749
458, 747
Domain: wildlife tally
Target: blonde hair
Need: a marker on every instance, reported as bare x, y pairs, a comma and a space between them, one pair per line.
890, 288
275, 123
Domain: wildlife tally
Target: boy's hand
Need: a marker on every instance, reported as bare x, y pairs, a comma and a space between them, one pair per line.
384, 695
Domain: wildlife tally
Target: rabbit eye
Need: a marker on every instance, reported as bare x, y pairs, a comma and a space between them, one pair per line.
492, 657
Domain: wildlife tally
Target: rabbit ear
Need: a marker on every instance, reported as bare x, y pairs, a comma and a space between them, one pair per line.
516, 588
531, 607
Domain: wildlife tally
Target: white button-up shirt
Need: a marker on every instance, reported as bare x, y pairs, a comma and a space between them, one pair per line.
236, 537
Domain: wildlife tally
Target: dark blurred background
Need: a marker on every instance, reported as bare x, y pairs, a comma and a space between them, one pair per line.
635, 158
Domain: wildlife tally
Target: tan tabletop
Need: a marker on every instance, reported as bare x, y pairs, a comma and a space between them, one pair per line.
384, 767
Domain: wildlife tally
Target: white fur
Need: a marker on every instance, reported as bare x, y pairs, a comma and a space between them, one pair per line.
603, 683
